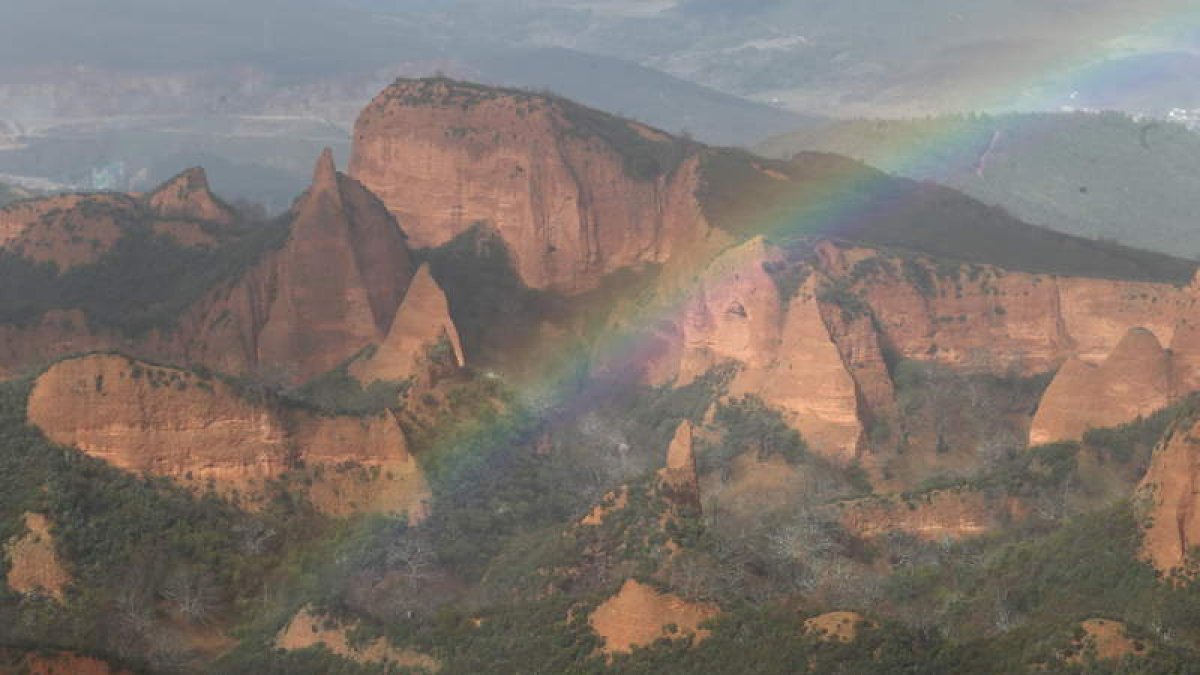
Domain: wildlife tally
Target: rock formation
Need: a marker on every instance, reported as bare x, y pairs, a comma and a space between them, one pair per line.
834, 626
196, 429
638, 615
34, 565
328, 294
784, 348
66, 230
678, 479
422, 324
1105, 640
1169, 497
934, 516
188, 197
339, 279
78, 229
575, 194
1135, 380
309, 629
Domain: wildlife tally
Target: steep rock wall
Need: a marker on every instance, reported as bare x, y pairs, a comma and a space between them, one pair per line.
1169, 497
162, 421
1135, 380
575, 194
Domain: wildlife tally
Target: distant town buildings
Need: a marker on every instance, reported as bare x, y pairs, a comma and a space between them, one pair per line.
1188, 118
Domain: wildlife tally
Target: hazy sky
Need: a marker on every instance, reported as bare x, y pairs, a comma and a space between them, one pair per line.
765, 49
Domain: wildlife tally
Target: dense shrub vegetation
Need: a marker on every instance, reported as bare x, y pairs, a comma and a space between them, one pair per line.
830, 196
1089, 175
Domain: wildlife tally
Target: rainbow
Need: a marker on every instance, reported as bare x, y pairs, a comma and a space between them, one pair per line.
826, 207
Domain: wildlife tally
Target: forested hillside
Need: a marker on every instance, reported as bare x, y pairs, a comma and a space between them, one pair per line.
1094, 175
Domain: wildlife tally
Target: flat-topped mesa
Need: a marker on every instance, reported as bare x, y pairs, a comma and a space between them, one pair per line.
1135, 380
328, 294
421, 338
196, 429
187, 196
574, 193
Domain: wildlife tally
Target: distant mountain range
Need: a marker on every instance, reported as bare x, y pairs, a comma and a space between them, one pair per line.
1094, 175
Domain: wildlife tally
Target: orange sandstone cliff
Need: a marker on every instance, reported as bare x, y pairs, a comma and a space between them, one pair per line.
422, 323
330, 292
198, 430
574, 193
1169, 496
1135, 380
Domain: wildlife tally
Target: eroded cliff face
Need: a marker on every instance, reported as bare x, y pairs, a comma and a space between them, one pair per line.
188, 197
1169, 498
575, 194
1134, 381
784, 349
197, 430
821, 347
422, 324
935, 516
984, 318
678, 479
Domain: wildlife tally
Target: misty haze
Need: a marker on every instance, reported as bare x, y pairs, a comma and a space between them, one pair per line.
590, 336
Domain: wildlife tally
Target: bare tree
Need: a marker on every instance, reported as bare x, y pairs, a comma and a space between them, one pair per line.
192, 594
254, 535
413, 557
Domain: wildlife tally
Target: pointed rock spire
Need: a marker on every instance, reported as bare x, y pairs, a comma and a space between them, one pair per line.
679, 454
679, 480
422, 324
187, 195
325, 172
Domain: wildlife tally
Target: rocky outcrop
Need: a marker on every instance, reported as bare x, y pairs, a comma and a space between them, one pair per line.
574, 193
613, 501
834, 626
1105, 640
1169, 498
66, 230
638, 615
188, 197
933, 516
332, 290
984, 318
1135, 380
34, 565
309, 629
422, 324
784, 348
199, 431
678, 479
